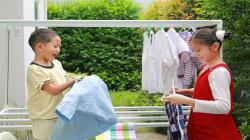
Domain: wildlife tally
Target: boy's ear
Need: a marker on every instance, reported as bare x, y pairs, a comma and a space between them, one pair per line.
39, 47
215, 46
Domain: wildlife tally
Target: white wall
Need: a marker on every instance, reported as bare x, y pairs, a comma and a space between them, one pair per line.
3, 61
20, 54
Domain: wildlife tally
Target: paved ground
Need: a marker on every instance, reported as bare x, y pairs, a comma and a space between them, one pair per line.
150, 136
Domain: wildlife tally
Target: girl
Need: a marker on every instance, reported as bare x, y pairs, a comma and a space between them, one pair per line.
212, 102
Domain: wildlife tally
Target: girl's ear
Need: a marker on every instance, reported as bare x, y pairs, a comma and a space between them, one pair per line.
215, 46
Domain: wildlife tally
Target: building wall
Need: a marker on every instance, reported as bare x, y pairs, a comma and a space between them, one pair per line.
20, 54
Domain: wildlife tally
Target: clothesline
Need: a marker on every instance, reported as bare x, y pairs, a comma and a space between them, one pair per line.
115, 23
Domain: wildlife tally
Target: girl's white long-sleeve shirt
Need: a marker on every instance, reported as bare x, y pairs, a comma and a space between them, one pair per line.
219, 81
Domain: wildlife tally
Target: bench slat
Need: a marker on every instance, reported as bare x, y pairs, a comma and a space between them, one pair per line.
150, 118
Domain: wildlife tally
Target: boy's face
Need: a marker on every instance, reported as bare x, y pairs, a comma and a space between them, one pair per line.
51, 49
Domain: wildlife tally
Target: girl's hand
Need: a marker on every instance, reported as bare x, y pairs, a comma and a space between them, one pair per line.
184, 91
178, 99
180, 90
174, 98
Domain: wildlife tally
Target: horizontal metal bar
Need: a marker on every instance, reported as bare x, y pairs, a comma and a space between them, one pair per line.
14, 120
139, 112
137, 107
146, 107
116, 108
113, 23
15, 127
143, 125
14, 114
142, 118
137, 125
21, 114
145, 112
16, 109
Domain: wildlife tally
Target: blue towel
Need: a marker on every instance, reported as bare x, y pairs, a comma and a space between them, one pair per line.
85, 111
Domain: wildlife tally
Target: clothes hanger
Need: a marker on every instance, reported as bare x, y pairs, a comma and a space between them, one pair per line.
161, 28
183, 29
150, 33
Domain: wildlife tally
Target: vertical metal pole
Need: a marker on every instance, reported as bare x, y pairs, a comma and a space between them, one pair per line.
220, 27
8, 68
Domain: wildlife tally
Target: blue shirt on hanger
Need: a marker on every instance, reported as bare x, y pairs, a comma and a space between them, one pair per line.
85, 111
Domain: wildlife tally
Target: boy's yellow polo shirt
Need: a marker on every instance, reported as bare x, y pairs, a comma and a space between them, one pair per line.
41, 105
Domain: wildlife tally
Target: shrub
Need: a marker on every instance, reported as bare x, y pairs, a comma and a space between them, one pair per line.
112, 53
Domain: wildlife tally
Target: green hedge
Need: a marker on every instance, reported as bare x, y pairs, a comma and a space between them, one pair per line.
112, 53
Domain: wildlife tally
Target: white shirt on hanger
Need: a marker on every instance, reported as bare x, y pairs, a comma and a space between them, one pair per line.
149, 75
180, 44
167, 62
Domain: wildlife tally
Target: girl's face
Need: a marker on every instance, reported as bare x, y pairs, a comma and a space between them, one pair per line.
52, 49
204, 52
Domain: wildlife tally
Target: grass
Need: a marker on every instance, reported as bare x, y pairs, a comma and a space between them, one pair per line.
128, 98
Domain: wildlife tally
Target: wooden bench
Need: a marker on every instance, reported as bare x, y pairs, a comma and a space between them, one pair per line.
141, 116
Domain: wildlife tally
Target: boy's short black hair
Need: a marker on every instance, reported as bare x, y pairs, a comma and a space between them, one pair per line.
41, 35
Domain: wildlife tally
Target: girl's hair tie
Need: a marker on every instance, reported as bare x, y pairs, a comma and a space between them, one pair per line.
220, 35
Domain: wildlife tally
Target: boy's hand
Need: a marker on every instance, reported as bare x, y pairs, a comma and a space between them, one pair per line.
78, 78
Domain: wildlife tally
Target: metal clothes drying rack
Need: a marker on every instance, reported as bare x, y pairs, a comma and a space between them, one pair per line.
16, 118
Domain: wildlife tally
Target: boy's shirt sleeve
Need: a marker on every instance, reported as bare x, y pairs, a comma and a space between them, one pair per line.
38, 77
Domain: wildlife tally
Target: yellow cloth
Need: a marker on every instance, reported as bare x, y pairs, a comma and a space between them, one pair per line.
41, 129
41, 105
102, 136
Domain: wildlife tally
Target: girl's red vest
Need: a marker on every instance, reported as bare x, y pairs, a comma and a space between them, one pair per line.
205, 126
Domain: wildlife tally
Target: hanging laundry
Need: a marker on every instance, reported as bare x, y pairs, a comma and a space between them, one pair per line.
183, 55
167, 62
149, 75
85, 111
178, 42
192, 64
185, 36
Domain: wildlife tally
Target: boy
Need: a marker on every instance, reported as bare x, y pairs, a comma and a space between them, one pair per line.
46, 82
